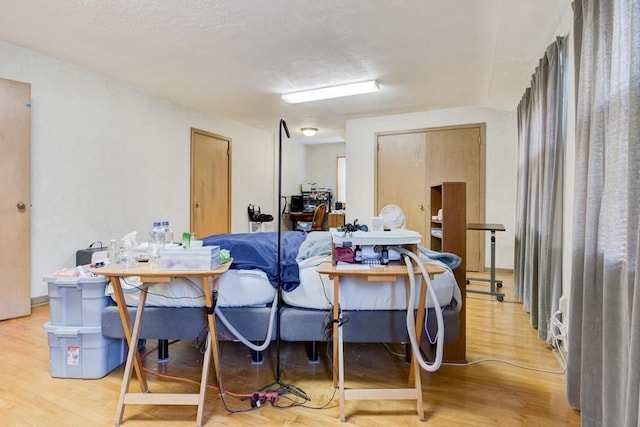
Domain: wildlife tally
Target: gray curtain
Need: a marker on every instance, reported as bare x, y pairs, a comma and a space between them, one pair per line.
603, 376
541, 140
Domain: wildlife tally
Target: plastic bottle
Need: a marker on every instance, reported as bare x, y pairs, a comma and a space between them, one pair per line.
156, 242
357, 256
168, 233
113, 251
385, 256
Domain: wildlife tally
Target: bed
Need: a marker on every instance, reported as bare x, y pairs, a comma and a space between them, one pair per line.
247, 295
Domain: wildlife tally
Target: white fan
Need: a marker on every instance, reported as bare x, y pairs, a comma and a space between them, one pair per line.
393, 217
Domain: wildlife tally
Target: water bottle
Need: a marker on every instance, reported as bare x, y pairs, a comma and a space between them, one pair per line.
113, 251
168, 233
156, 242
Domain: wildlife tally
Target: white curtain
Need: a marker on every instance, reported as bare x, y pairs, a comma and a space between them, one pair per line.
541, 139
603, 378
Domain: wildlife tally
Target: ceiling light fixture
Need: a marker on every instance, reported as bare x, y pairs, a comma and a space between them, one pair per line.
331, 92
309, 131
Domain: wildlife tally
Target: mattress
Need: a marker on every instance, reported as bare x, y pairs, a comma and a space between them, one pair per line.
236, 288
252, 288
356, 293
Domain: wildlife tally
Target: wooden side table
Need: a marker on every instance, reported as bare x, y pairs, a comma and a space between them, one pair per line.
377, 274
148, 277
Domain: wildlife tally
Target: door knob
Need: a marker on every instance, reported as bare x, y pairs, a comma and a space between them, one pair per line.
21, 206
197, 205
421, 206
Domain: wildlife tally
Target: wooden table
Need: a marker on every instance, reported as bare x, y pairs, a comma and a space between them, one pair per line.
388, 273
295, 217
148, 277
493, 283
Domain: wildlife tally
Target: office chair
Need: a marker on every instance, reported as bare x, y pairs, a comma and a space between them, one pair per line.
317, 221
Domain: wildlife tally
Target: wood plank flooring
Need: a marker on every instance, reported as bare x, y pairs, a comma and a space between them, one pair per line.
486, 393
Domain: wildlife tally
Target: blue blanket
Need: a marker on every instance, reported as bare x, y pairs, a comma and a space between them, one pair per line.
260, 251
450, 260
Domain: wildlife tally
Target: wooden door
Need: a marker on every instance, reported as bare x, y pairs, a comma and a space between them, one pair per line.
408, 163
400, 177
15, 199
210, 184
454, 154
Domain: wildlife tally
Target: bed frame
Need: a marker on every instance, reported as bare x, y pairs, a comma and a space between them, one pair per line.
297, 325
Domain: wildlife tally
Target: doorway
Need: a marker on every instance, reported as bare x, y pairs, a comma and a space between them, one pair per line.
408, 163
210, 183
15, 207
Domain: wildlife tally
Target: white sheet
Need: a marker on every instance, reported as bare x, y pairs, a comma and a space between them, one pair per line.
356, 293
236, 288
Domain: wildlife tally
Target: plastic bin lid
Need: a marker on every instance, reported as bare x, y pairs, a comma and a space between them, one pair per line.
71, 331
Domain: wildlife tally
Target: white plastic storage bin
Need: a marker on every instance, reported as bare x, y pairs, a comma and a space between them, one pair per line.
77, 301
83, 352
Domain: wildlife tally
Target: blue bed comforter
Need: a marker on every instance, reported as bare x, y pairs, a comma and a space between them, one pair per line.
260, 251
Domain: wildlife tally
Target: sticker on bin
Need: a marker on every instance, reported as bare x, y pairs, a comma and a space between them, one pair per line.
73, 355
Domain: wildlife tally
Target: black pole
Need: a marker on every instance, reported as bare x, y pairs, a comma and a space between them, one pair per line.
282, 125
282, 388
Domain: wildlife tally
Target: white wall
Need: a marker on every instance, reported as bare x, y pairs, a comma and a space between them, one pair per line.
108, 159
322, 164
501, 164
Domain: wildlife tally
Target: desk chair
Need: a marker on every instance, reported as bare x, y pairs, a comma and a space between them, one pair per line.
317, 221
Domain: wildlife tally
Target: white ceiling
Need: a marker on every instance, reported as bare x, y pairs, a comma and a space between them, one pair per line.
235, 58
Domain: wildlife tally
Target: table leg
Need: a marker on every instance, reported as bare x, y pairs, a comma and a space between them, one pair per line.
341, 374
212, 322
127, 328
209, 285
133, 357
336, 327
204, 380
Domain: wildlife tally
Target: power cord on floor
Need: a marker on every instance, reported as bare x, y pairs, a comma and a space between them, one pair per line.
507, 362
557, 352
256, 398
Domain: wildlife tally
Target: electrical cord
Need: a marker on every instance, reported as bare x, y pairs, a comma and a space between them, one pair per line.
508, 362
257, 397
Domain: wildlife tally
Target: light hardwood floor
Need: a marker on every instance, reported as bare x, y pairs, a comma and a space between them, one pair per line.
486, 393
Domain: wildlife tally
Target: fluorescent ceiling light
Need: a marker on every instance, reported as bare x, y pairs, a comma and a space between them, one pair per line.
309, 131
331, 92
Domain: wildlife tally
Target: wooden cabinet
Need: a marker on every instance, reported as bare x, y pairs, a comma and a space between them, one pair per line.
448, 233
336, 220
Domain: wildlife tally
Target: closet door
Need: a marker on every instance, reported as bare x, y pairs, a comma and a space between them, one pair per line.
410, 162
454, 154
400, 178
15, 199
